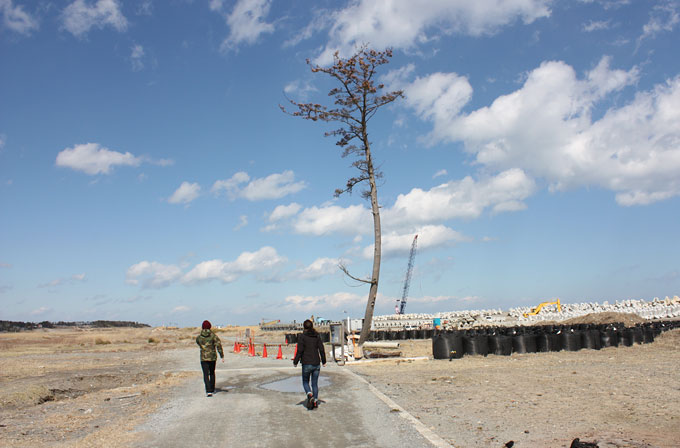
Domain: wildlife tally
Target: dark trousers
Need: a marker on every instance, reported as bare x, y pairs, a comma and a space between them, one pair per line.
209, 375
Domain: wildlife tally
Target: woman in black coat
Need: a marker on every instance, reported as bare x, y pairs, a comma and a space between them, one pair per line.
311, 352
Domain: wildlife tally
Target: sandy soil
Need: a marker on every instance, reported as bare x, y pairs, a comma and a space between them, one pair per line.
616, 397
93, 387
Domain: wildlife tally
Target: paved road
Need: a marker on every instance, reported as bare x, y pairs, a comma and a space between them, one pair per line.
259, 403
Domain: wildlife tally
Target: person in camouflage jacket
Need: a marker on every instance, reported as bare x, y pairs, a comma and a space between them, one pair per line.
210, 345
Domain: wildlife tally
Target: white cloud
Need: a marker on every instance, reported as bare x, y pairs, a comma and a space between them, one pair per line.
16, 19
430, 236
5, 265
596, 25
144, 8
216, 5
663, 18
136, 57
333, 219
40, 311
242, 222
153, 274
231, 185
91, 158
180, 309
299, 89
430, 299
281, 213
186, 193
466, 198
80, 16
440, 173
322, 19
284, 212
439, 96
320, 267
402, 24
246, 22
61, 281
261, 261
274, 186
334, 301
545, 130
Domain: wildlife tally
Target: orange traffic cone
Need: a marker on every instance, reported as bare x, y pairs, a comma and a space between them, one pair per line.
251, 350
279, 355
295, 354
264, 351
237, 347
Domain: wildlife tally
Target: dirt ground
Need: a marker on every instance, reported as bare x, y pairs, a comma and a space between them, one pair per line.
84, 387
616, 397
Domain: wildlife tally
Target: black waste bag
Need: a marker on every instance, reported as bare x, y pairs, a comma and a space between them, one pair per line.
524, 343
555, 342
647, 335
401, 335
500, 345
543, 342
609, 338
591, 339
571, 341
440, 347
422, 334
626, 338
391, 335
637, 335
411, 334
456, 347
476, 345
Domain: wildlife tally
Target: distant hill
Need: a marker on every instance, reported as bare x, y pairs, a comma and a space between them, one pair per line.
9, 326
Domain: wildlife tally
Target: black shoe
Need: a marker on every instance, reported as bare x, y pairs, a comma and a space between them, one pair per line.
310, 401
315, 403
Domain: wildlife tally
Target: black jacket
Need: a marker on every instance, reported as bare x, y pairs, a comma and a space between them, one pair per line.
310, 349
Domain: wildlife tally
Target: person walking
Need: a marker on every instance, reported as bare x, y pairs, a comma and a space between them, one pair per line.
210, 344
311, 352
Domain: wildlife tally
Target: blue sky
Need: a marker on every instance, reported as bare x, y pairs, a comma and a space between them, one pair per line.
148, 174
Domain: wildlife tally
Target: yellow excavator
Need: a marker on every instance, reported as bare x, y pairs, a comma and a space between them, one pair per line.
271, 322
540, 306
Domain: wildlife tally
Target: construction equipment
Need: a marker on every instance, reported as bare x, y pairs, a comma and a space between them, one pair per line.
401, 305
271, 322
540, 306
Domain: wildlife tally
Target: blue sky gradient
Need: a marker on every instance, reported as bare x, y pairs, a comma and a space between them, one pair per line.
148, 174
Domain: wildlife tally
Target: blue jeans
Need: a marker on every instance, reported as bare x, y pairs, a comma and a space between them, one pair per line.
309, 370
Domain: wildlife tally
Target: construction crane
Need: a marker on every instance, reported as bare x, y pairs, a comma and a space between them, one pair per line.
401, 304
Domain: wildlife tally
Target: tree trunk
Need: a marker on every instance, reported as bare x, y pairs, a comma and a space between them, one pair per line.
373, 292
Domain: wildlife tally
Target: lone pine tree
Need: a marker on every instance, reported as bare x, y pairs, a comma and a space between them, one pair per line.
357, 98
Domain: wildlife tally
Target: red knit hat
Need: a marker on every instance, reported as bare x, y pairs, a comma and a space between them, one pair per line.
206, 325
